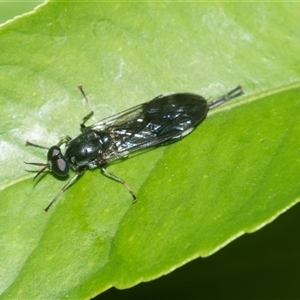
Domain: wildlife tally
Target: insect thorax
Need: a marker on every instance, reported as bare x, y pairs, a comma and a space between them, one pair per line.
88, 149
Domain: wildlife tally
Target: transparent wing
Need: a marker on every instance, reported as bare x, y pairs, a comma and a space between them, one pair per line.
160, 121
118, 119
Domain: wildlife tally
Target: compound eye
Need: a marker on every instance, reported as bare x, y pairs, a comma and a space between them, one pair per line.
57, 162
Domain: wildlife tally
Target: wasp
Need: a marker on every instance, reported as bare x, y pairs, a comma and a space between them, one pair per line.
163, 120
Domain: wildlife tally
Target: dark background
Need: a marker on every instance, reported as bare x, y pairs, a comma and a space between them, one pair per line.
262, 265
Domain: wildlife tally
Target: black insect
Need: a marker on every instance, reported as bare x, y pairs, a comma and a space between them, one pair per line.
161, 121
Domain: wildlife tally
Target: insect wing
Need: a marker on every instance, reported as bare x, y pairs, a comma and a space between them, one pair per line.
161, 121
118, 119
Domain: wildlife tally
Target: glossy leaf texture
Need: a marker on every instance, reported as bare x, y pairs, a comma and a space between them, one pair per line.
234, 174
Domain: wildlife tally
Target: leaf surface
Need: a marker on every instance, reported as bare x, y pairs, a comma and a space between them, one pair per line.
234, 174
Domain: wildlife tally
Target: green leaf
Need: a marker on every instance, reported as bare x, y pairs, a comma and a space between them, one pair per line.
9, 10
234, 174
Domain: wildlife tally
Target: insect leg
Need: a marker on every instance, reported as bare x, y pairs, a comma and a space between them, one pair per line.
64, 140
27, 143
69, 183
89, 104
108, 174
